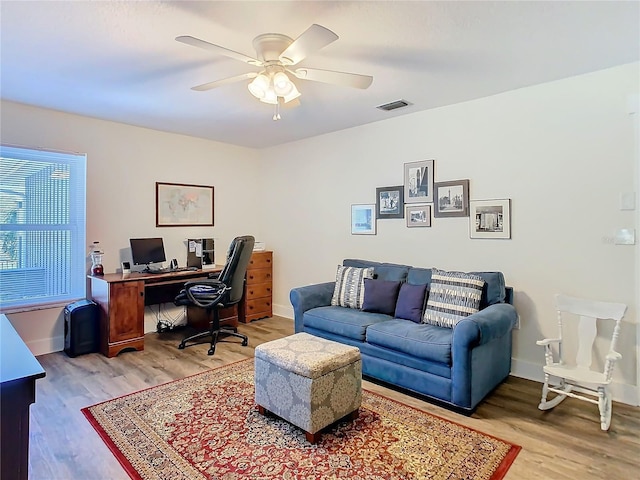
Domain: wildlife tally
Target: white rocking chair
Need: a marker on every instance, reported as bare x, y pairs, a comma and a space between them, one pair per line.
580, 378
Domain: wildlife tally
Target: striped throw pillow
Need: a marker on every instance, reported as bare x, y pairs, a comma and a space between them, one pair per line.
349, 289
452, 297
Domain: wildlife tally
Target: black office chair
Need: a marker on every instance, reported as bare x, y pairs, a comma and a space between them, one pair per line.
223, 290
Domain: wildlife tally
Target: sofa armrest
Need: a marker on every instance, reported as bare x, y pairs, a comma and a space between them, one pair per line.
481, 353
306, 298
484, 326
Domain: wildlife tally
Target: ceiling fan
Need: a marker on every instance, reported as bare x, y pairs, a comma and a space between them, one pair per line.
275, 53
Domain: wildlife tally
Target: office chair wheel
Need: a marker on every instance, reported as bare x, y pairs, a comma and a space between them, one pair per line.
211, 350
245, 342
181, 346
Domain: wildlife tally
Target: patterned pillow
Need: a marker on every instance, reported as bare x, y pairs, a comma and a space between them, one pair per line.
452, 297
349, 289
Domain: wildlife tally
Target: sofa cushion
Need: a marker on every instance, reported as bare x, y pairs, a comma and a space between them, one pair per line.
419, 276
452, 297
419, 340
381, 271
346, 322
410, 302
380, 296
349, 288
494, 288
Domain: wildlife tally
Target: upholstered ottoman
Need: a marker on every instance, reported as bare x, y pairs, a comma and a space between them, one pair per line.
308, 381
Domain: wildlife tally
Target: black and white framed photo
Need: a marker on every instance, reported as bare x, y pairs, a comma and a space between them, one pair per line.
418, 181
363, 219
452, 199
390, 202
490, 218
418, 215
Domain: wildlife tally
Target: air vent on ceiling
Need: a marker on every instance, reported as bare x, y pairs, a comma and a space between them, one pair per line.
393, 105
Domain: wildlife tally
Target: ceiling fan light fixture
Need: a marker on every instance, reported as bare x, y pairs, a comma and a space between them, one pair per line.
293, 94
270, 97
259, 87
282, 85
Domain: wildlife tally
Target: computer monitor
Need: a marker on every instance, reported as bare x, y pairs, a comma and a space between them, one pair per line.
145, 251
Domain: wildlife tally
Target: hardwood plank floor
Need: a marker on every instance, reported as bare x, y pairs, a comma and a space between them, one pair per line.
563, 444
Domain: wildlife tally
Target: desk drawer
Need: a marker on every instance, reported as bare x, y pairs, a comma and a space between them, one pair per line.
258, 290
261, 275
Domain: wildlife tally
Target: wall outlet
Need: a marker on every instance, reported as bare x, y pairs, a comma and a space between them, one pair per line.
517, 325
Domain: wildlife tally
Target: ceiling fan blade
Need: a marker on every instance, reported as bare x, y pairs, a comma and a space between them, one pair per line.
224, 81
196, 42
312, 39
336, 78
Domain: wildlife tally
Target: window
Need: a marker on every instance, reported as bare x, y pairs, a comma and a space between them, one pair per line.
42, 227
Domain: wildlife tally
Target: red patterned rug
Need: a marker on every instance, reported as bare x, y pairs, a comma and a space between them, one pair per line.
206, 426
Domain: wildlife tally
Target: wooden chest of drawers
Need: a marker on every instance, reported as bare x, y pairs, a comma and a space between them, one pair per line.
258, 293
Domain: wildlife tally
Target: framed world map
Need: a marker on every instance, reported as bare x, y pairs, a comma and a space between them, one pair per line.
181, 205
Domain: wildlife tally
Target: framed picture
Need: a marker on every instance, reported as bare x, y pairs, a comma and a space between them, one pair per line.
363, 219
418, 182
418, 215
180, 205
390, 202
490, 218
452, 199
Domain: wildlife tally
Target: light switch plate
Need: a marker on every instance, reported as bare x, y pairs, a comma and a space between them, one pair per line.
625, 236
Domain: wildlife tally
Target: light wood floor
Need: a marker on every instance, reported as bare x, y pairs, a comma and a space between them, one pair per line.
565, 443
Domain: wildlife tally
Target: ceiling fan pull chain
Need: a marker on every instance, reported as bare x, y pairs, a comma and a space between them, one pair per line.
276, 114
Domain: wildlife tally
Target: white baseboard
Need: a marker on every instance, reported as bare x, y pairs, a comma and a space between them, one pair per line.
621, 392
46, 345
283, 311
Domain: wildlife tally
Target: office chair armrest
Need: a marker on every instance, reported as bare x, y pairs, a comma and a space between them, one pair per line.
548, 341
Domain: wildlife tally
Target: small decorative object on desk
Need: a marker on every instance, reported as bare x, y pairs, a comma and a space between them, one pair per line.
259, 247
96, 260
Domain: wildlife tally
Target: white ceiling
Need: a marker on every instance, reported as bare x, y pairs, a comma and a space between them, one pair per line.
118, 60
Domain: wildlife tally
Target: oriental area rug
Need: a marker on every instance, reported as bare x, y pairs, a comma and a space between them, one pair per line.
207, 426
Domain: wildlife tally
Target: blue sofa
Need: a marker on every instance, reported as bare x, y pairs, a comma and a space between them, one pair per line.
458, 367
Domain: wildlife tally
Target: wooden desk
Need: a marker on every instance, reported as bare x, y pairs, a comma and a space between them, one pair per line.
18, 374
122, 299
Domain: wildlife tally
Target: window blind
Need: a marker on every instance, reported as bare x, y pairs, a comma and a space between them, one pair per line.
42, 227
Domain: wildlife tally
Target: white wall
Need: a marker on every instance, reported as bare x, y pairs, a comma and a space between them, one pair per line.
123, 164
561, 151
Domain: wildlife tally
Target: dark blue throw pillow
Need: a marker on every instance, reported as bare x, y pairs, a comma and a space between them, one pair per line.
410, 302
380, 296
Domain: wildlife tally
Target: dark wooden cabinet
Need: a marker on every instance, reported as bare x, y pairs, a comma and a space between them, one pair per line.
18, 375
